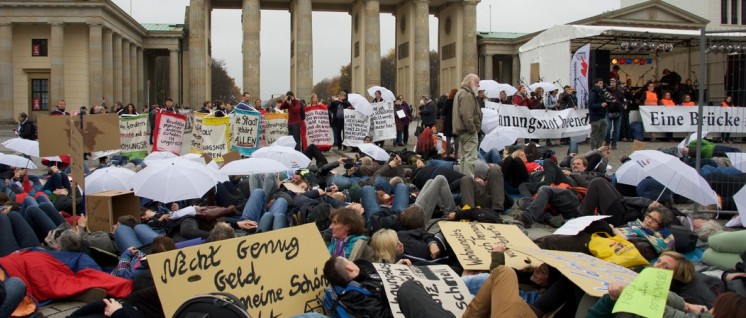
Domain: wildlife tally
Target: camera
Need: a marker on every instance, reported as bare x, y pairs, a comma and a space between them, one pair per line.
349, 163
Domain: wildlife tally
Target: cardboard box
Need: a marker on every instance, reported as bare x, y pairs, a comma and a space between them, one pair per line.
104, 208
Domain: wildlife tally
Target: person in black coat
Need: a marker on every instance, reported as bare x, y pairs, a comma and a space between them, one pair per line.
428, 112
337, 119
26, 128
448, 121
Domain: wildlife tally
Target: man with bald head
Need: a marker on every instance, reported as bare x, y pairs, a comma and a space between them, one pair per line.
467, 121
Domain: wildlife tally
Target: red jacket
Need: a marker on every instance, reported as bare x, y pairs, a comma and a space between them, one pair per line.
293, 111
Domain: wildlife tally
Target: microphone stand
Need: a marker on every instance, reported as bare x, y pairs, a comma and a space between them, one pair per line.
639, 81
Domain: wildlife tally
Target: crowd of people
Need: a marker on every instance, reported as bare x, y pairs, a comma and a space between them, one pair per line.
371, 210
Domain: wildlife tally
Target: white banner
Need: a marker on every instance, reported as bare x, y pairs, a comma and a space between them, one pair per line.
579, 74
441, 283
540, 123
685, 119
382, 121
356, 127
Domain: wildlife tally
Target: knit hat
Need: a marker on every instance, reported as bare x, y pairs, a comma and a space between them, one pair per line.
707, 148
480, 169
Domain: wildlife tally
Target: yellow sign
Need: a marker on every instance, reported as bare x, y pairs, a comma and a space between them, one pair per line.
472, 243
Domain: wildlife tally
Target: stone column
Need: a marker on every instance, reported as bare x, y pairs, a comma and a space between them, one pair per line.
199, 29
140, 79
6, 71
133, 73
421, 48
108, 72
95, 64
488, 67
126, 73
301, 79
516, 70
372, 44
57, 59
470, 59
117, 78
173, 71
252, 19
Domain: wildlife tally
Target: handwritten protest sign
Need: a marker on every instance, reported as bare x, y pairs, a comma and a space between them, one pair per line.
274, 125
539, 123
356, 127
215, 136
318, 128
441, 283
100, 133
197, 131
245, 131
133, 136
273, 274
591, 274
685, 119
168, 134
382, 121
472, 243
646, 295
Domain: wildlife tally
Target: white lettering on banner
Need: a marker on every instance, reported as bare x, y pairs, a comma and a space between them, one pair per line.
318, 129
539, 123
441, 283
245, 131
215, 136
169, 132
197, 132
686, 118
382, 121
356, 127
133, 136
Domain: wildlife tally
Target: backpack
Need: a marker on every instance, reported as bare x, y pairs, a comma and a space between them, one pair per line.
316, 213
217, 305
302, 111
335, 298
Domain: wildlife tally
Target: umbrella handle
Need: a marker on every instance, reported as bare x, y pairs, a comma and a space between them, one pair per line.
661, 194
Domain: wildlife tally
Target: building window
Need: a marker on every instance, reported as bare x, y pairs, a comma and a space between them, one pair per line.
448, 52
723, 11
743, 12
40, 94
403, 50
39, 47
356, 49
734, 11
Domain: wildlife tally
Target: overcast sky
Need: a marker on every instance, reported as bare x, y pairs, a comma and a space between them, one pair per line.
331, 47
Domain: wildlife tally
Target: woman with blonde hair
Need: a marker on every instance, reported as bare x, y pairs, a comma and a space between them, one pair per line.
387, 248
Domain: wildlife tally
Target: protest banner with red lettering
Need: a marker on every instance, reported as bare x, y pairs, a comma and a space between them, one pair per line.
133, 131
168, 134
216, 136
318, 128
245, 131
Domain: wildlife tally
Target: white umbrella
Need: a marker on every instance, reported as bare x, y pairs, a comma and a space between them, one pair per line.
285, 141
738, 160
219, 177
630, 173
193, 157
174, 180
490, 120
291, 158
158, 155
499, 138
109, 178
251, 166
675, 175
24, 146
689, 139
375, 152
548, 87
386, 94
509, 89
17, 161
360, 104
490, 88
740, 199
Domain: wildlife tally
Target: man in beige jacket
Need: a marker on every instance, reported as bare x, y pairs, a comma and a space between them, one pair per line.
467, 121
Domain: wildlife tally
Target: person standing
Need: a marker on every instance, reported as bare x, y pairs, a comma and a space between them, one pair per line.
467, 121
377, 99
614, 114
428, 112
597, 114
337, 117
26, 128
614, 74
60, 110
727, 102
245, 103
294, 120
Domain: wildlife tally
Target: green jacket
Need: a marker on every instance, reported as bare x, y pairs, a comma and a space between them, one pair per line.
467, 116
674, 309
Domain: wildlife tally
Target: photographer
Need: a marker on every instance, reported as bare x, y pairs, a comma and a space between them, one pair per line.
294, 120
568, 99
597, 112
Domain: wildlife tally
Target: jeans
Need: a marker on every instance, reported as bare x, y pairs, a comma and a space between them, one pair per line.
56, 181
343, 182
435, 192
399, 137
371, 206
15, 290
263, 181
598, 133
126, 237
468, 153
15, 234
294, 130
43, 218
275, 218
613, 123
441, 163
492, 156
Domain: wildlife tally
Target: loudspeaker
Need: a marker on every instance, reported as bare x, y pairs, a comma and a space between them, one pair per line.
600, 66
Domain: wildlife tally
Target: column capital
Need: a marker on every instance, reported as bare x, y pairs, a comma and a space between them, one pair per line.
6, 23
473, 2
95, 24
421, 1
56, 23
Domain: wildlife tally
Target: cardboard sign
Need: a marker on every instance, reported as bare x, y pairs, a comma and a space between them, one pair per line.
472, 243
274, 125
133, 136
104, 208
216, 136
356, 127
591, 274
318, 128
382, 121
274, 274
230, 156
441, 283
539, 123
197, 132
647, 294
76, 155
245, 131
100, 132
168, 134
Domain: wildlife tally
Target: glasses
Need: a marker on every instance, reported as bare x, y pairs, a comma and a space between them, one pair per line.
653, 219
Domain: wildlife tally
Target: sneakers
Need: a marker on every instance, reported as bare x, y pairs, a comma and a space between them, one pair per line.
556, 221
525, 220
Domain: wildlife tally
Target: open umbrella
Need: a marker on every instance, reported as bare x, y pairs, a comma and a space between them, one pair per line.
360, 104
689, 139
109, 178
738, 160
24, 146
630, 173
509, 89
158, 155
675, 175
386, 94
375, 152
17, 161
251, 166
285, 141
291, 158
547, 86
490, 88
498, 138
173, 180
490, 120
740, 199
